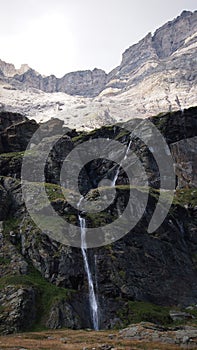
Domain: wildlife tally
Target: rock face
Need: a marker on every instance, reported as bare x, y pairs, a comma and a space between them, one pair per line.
156, 74
139, 268
179, 130
18, 306
182, 336
62, 316
157, 67
172, 35
16, 133
185, 157
43, 282
83, 83
9, 70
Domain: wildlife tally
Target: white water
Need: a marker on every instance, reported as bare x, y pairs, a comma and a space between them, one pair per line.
96, 280
92, 295
118, 168
115, 176
127, 150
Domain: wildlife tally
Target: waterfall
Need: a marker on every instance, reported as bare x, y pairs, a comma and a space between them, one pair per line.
179, 104
95, 275
92, 295
115, 176
127, 150
119, 166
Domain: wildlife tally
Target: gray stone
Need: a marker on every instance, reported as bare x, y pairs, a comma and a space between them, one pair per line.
62, 315
184, 154
185, 339
22, 309
146, 333
152, 77
64, 340
179, 316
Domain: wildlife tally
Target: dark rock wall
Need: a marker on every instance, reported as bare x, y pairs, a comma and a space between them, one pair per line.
139, 267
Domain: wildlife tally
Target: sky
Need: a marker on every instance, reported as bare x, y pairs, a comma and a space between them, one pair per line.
60, 36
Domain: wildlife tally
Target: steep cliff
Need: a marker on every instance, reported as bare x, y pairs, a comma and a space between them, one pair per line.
139, 270
83, 83
156, 74
9, 70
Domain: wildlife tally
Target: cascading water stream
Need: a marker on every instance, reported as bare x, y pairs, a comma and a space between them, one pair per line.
115, 176
95, 274
119, 166
92, 296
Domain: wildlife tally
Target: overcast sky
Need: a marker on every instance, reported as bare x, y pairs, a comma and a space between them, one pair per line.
60, 36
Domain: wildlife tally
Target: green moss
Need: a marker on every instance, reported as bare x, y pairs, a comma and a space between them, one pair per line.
121, 134
4, 261
110, 250
136, 311
11, 224
79, 137
12, 155
186, 196
122, 274
47, 293
54, 192
71, 219
182, 197
99, 219
192, 312
18, 155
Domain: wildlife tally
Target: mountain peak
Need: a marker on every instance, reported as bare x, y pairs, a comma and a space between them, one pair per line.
172, 35
153, 76
9, 69
186, 13
23, 68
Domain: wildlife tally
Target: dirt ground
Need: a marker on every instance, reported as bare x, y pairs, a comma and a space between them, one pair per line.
76, 340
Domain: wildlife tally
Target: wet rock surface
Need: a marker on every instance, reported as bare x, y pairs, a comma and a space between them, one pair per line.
141, 267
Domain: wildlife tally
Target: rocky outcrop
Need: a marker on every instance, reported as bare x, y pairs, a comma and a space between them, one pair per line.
62, 315
157, 53
11, 261
16, 132
178, 128
9, 70
7, 119
84, 83
147, 332
185, 156
153, 72
173, 35
17, 309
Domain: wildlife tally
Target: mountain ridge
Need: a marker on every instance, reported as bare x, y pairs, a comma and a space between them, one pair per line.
153, 76
11, 71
